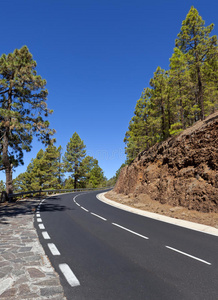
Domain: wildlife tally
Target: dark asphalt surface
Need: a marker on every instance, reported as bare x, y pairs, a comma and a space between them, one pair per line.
113, 263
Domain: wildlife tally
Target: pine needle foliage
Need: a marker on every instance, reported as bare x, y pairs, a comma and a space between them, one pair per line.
23, 109
180, 96
42, 173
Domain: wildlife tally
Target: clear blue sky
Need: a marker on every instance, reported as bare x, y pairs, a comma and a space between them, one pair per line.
97, 56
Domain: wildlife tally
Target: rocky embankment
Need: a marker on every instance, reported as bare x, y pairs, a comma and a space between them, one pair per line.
181, 172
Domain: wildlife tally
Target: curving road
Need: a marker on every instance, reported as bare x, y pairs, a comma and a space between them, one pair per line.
102, 252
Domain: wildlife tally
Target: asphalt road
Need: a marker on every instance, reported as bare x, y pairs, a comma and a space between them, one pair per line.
102, 252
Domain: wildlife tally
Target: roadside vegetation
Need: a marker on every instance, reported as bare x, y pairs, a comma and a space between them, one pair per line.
49, 170
180, 96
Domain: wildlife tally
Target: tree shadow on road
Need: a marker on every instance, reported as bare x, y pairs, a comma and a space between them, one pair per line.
27, 207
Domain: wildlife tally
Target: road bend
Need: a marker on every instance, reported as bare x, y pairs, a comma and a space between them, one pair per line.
102, 252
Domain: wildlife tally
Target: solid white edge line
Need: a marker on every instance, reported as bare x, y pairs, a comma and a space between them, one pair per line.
194, 257
45, 235
182, 223
98, 216
41, 226
39, 220
69, 275
53, 249
84, 208
144, 237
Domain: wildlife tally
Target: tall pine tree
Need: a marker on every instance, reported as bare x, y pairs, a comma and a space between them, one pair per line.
42, 172
181, 96
73, 157
22, 108
194, 40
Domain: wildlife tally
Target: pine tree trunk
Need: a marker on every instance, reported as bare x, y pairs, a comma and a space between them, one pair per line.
75, 182
200, 95
7, 164
5, 158
181, 107
163, 120
169, 114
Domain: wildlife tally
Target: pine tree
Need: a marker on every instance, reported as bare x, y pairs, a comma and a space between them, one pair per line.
195, 42
34, 175
93, 175
96, 177
182, 97
138, 137
159, 96
20, 183
50, 165
22, 108
210, 77
73, 157
42, 172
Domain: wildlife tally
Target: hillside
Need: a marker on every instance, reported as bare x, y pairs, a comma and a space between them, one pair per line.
181, 172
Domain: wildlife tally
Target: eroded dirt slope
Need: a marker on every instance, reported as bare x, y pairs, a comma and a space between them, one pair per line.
182, 171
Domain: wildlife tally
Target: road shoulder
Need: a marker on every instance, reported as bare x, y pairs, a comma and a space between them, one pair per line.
183, 223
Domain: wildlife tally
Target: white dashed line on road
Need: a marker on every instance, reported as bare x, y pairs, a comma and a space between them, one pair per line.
41, 226
38, 215
39, 220
144, 237
45, 235
53, 249
194, 257
69, 275
98, 216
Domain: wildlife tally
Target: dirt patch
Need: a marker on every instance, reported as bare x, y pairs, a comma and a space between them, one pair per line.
178, 212
181, 171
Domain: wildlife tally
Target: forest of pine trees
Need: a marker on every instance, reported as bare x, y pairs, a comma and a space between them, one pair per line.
48, 169
180, 96
23, 114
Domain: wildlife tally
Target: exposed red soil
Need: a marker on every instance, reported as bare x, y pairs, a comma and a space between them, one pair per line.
181, 172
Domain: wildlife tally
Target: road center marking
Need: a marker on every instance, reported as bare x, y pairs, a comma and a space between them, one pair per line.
45, 235
41, 226
69, 275
98, 216
53, 249
144, 237
194, 257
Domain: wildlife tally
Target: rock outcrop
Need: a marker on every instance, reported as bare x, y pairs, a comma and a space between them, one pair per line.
181, 171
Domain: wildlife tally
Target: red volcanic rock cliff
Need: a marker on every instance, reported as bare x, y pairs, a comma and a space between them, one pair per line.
181, 171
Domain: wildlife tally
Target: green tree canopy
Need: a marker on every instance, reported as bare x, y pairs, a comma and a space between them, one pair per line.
181, 96
73, 158
42, 172
23, 109
194, 40
93, 174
